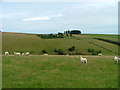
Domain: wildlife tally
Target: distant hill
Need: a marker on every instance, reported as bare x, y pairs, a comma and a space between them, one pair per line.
31, 42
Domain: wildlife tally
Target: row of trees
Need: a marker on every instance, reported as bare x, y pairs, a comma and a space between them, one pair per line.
72, 32
59, 35
47, 36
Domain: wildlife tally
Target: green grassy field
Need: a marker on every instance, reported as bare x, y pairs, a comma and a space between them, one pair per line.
59, 72
30, 42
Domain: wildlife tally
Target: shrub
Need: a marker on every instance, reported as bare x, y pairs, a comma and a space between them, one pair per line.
56, 50
91, 50
44, 51
99, 51
70, 34
72, 48
31, 52
94, 52
60, 52
66, 34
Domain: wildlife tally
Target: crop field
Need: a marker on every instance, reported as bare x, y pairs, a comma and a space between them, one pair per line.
31, 42
59, 72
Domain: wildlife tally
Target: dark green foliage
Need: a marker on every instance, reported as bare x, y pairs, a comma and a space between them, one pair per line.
44, 51
94, 52
56, 50
60, 35
91, 50
59, 51
66, 34
72, 48
70, 34
75, 32
99, 51
48, 36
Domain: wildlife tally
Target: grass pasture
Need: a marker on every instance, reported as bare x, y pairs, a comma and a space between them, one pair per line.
30, 42
59, 72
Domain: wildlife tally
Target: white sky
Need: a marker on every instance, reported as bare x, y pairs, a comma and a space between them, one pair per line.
90, 16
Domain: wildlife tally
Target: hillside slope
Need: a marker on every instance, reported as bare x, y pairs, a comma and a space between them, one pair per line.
30, 42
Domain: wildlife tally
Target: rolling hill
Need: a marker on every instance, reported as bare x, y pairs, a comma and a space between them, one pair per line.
23, 42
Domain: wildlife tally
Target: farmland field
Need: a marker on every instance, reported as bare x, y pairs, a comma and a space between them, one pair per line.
59, 72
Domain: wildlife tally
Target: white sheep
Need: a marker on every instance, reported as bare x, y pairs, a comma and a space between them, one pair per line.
7, 53
27, 53
17, 53
67, 54
116, 59
100, 54
46, 54
23, 53
83, 60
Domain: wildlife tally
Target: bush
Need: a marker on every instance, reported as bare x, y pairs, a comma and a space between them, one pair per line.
56, 50
99, 51
72, 48
70, 34
47, 36
44, 51
66, 34
31, 52
91, 50
94, 52
60, 52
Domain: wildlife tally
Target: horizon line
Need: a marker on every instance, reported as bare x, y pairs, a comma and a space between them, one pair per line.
56, 33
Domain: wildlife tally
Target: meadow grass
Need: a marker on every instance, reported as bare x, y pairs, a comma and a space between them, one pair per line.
30, 42
59, 72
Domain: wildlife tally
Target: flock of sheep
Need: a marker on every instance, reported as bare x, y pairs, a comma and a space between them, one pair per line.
18, 53
83, 60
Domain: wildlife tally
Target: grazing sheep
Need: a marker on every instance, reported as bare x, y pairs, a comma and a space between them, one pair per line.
116, 59
6, 53
46, 54
23, 53
27, 53
17, 53
83, 60
100, 54
67, 54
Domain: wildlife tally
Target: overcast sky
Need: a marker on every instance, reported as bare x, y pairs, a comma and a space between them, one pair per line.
53, 17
